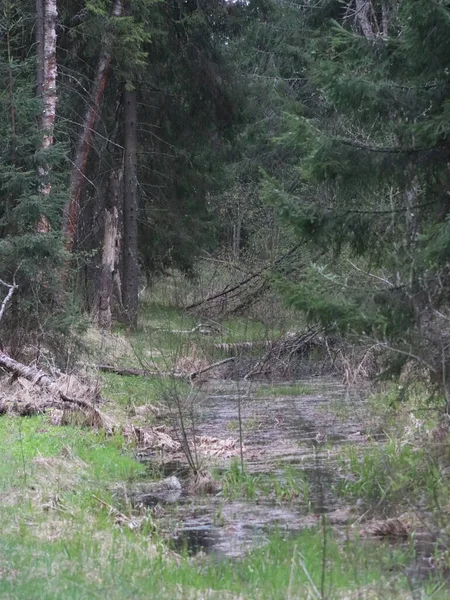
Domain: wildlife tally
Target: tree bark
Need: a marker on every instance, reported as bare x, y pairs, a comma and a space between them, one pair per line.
71, 210
130, 276
109, 265
40, 32
46, 13
364, 11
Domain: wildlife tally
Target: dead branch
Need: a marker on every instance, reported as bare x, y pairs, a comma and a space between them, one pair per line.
11, 289
291, 344
202, 328
133, 372
235, 290
195, 374
41, 379
175, 374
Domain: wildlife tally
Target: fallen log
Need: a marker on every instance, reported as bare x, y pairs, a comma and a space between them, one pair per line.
41, 379
175, 374
132, 372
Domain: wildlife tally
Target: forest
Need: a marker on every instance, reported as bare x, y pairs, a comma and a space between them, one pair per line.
224, 299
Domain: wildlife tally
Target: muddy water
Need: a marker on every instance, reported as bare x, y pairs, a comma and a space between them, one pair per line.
294, 432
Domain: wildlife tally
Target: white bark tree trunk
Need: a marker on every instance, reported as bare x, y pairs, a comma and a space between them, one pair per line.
46, 80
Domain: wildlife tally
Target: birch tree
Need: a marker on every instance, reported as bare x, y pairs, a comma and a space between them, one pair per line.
46, 13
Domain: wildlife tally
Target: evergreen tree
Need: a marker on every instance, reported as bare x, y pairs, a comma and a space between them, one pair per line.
28, 256
373, 178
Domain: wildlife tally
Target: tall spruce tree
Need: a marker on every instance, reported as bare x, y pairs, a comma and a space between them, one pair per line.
373, 177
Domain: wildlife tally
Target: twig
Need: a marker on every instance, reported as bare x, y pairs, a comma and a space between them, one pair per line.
111, 508
194, 374
389, 283
243, 282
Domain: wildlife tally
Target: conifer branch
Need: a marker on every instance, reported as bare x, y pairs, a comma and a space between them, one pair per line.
385, 149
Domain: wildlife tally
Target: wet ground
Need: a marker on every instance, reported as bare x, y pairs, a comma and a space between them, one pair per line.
291, 436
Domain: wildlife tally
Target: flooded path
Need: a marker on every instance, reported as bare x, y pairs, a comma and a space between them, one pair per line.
290, 436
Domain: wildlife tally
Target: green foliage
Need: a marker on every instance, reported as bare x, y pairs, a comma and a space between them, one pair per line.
388, 474
369, 192
28, 258
23, 441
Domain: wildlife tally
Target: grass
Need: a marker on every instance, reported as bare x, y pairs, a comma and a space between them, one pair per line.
394, 476
63, 539
120, 564
291, 485
59, 542
299, 389
129, 391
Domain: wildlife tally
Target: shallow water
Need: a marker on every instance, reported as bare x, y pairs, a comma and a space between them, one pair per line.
279, 432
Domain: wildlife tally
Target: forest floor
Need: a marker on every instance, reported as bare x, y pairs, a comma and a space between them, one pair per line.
305, 489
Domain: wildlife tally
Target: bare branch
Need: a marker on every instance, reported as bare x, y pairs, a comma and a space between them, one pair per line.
11, 289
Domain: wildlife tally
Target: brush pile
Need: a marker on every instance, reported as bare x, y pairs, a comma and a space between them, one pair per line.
30, 391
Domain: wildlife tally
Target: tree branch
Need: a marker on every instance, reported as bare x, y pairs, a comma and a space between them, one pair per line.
12, 289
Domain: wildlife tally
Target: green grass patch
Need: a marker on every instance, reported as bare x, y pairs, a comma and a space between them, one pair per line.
393, 475
290, 486
299, 389
122, 564
131, 391
60, 542
22, 441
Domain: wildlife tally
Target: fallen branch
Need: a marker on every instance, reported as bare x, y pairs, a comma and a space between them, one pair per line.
175, 374
12, 288
259, 274
41, 379
202, 328
132, 372
123, 518
195, 374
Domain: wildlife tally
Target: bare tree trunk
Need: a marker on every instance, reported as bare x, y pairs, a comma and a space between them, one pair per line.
385, 19
40, 32
130, 277
364, 11
47, 14
109, 267
70, 221
237, 236
11, 80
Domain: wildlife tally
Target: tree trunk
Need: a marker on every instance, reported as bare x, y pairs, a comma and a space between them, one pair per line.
40, 32
385, 19
109, 267
130, 277
46, 13
364, 12
71, 210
